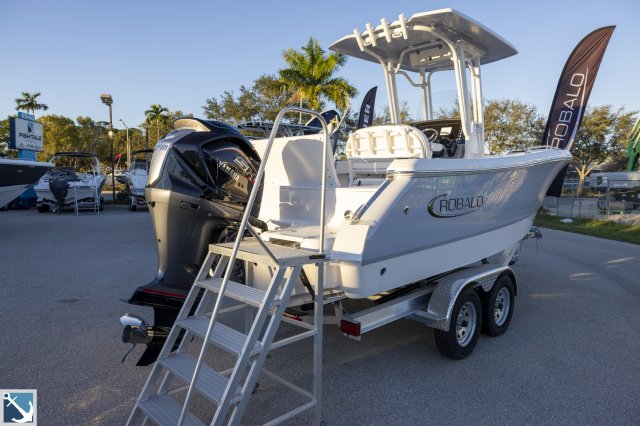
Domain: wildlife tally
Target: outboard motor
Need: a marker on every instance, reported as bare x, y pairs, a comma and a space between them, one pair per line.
199, 183
59, 186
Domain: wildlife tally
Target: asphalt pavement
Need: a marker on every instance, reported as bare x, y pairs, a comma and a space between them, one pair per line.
570, 355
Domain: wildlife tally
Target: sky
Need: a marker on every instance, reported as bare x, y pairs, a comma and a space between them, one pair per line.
178, 54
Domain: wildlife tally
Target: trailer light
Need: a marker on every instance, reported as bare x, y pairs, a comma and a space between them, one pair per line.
350, 328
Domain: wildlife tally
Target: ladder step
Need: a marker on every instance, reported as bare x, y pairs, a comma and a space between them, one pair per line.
222, 336
243, 293
252, 250
164, 410
210, 383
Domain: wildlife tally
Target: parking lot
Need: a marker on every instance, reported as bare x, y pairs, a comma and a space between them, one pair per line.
570, 355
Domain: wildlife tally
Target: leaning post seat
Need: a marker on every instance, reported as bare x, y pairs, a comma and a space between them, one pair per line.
370, 150
392, 141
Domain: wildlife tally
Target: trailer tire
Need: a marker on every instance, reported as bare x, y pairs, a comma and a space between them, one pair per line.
464, 330
43, 208
497, 307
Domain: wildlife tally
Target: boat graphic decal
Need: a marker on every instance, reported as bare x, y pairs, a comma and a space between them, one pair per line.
444, 205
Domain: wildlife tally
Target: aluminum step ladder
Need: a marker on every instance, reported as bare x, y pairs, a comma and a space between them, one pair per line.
230, 393
231, 390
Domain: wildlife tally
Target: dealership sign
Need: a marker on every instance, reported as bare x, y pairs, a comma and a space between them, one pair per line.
25, 134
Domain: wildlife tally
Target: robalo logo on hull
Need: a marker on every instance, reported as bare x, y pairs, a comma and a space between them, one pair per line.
446, 205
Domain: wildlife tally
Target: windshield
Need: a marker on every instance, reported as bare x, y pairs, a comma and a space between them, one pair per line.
79, 164
141, 161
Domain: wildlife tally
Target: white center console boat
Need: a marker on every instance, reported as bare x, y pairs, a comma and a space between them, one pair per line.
410, 201
76, 181
418, 218
135, 178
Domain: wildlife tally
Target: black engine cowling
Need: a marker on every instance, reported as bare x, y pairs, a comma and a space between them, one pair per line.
199, 183
59, 185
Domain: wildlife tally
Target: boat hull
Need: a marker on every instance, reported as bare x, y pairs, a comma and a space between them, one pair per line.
85, 195
135, 182
10, 193
84, 191
17, 175
424, 221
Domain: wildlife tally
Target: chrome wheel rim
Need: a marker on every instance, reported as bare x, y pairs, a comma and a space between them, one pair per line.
501, 307
466, 324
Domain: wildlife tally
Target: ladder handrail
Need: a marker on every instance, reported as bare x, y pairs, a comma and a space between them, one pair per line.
243, 227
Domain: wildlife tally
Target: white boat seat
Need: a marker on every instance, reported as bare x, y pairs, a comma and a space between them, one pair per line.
391, 141
306, 237
371, 150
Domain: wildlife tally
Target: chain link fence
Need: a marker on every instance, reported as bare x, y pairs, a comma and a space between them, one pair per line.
620, 205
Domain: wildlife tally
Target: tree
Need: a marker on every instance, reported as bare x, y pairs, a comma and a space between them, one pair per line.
385, 117
230, 108
138, 136
158, 114
4, 138
270, 96
262, 101
28, 102
341, 135
310, 77
511, 125
602, 136
451, 112
59, 134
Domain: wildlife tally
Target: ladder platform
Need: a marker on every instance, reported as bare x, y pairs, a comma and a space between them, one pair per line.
222, 336
252, 250
243, 293
210, 383
164, 410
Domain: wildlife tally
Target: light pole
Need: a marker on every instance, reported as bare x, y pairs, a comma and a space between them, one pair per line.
128, 145
108, 100
146, 132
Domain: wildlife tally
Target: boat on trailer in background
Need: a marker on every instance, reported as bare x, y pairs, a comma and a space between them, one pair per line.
76, 181
418, 218
135, 178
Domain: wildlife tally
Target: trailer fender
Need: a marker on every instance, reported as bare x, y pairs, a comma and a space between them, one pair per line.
449, 287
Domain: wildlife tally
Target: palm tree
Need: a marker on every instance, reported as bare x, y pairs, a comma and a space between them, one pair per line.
28, 102
310, 76
157, 113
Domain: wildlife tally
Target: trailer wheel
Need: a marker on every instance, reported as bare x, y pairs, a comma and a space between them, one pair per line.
43, 208
498, 307
466, 318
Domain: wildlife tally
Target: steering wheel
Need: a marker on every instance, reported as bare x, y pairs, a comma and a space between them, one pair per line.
431, 134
